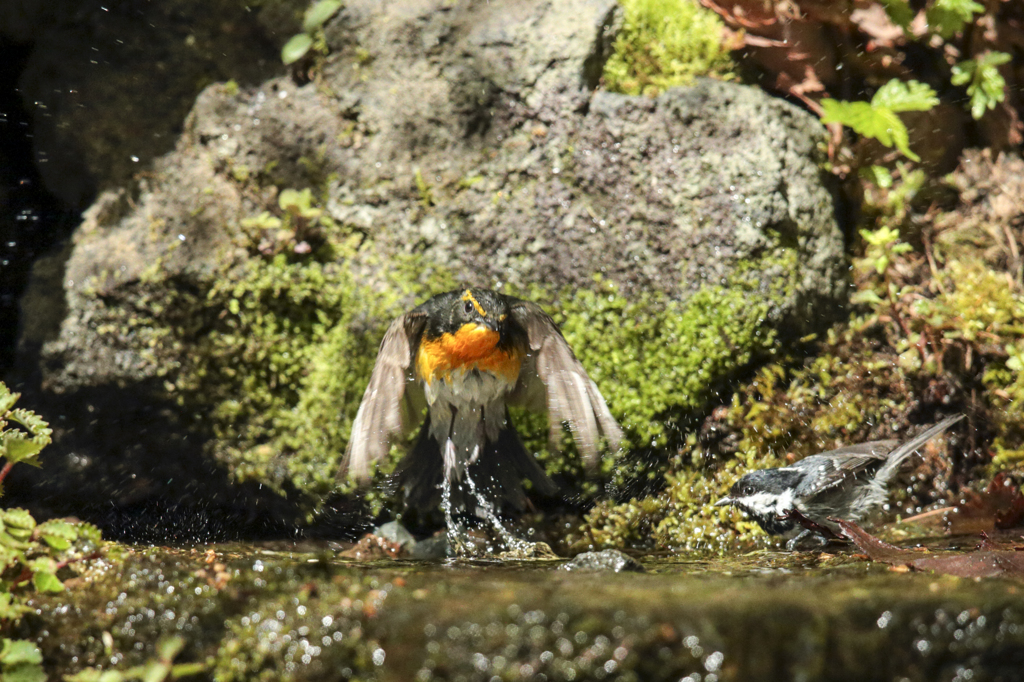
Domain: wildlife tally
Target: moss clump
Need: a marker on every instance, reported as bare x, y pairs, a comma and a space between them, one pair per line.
664, 43
656, 359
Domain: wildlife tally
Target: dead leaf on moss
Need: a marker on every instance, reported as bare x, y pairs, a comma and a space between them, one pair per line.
985, 562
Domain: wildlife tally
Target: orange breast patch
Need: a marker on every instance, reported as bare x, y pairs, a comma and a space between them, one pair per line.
472, 347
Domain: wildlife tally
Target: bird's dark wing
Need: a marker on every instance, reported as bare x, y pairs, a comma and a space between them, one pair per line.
853, 459
552, 378
830, 469
392, 401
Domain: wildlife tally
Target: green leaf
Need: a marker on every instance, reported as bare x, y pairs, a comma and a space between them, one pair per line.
10, 609
298, 203
987, 87
94, 675
57, 534
7, 399
16, 651
45, 581
319, 13
34, 423
17, 446
26, 672
296, 48
155, 671
878, 175
878, 119
899, 11
10, 546
17, 520
947, 17
169, 647
88, 533
910, 96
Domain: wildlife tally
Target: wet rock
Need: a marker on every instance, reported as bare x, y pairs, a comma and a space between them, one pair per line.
396, 533
606, 560
523, 551
434, 547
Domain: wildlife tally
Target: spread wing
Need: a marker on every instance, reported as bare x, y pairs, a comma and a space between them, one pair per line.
834, 467
391, 401
552, 378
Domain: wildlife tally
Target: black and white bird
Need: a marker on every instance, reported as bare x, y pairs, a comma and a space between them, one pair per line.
847, 483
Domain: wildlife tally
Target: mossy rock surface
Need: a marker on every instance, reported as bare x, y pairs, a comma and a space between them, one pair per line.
241, 288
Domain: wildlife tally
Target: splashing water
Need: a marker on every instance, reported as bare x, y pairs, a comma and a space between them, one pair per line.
485, 507
457, 536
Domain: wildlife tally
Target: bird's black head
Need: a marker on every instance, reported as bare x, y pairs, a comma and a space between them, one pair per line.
765, 495
773, 481
450, 312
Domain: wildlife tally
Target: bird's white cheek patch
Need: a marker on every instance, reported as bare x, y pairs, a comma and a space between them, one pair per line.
769, 504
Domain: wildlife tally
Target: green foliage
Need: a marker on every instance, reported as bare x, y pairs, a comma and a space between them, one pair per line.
316, 16
156, 670
23, 434
883, 245
664, 43
879, 119
20, 661
986, 88
296, 48
899, 11
30, 554
948, 17
423, 188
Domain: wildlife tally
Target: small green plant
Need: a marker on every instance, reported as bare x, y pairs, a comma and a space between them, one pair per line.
316, 16
883, 245
424, 190
986, 88
948, 17
31, 555
158, 669
664, 43
879, 118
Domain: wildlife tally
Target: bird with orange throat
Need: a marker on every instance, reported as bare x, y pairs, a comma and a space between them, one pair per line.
464, 357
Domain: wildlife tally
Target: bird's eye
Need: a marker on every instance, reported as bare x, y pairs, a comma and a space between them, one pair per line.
468, 307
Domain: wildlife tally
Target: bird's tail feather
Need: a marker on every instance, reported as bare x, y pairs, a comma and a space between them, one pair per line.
897, 456
497, 473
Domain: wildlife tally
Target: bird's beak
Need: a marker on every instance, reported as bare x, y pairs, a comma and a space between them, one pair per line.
725, 501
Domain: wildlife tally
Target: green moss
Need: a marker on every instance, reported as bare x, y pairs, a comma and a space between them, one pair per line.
664, 43
657, 360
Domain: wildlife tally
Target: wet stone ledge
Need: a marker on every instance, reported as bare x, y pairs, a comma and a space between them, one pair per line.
273, 614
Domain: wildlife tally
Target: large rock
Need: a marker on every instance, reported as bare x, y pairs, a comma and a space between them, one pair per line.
443, 143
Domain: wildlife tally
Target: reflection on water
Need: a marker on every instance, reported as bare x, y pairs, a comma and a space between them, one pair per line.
299, 612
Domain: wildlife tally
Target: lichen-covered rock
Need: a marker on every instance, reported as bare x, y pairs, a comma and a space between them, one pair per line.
243, 285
